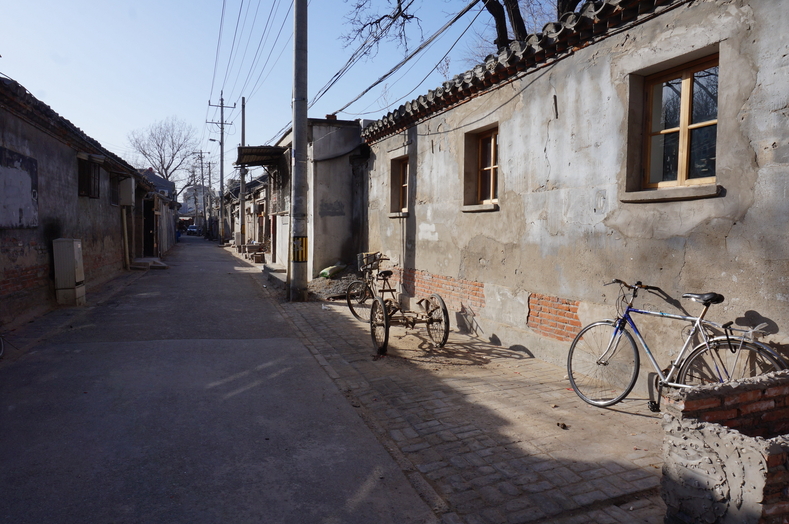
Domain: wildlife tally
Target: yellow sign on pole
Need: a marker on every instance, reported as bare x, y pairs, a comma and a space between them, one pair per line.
299, 246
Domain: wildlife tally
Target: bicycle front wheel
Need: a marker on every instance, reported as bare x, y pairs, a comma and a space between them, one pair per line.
603, 363
379, 325
726, 360
359, 297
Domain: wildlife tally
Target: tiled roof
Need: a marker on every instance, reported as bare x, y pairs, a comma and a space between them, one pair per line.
18, 100
594, 21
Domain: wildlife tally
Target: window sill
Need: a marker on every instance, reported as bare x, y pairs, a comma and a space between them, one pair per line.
399, 214
480, 208
672, 194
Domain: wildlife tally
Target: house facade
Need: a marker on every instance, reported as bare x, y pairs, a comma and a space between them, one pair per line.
59, 183
641, 140
336, 159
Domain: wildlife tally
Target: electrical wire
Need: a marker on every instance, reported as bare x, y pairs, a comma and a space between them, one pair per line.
409, 57
417, 86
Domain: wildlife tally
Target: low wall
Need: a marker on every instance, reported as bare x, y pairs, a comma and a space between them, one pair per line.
725, 452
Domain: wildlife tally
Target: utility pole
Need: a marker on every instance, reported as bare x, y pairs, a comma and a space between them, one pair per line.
221, 124
194, 196
202, 185
210, 200
298, 185
243, 171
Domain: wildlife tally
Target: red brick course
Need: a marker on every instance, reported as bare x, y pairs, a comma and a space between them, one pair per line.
457, 293
549, 316
554, 317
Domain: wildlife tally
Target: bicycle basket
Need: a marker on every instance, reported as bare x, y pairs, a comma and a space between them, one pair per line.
368, 261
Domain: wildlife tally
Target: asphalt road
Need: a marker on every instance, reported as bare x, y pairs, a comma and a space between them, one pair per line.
184, 398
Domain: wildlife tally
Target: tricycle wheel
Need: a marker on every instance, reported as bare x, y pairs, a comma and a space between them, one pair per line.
379, 325
437, 321
359, 297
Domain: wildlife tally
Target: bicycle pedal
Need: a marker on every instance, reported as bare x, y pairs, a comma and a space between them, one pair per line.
653, 406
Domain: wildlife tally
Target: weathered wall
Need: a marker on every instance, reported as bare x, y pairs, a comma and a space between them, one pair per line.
26, 281
569, 142
330, 199
725, 452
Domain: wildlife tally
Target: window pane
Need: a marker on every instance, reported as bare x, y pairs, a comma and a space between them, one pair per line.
705, 95
665, 102
664, 158
702, 152
484, 185
485, 149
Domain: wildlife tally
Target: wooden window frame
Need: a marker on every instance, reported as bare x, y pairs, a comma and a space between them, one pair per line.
489, 172
685, 73
403, 185
399, 182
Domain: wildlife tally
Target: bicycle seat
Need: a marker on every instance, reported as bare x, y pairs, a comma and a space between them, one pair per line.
705, 298
385, 274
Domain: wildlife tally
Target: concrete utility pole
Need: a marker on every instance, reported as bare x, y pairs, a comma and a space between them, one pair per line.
298, 185
202, 184
221, 124
243, 171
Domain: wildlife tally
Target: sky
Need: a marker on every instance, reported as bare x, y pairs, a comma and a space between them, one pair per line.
113, 67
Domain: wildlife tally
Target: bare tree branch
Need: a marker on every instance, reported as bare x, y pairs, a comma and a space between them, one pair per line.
166, 146
565, 6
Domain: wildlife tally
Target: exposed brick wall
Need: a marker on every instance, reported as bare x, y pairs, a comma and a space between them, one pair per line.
757, 408
554, 317
726, 454
457, 293
19, 279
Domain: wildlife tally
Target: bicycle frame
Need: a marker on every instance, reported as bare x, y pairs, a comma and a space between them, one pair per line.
665, 379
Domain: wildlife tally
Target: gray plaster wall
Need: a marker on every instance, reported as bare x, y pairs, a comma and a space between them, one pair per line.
62, 213
569, 151
330, 195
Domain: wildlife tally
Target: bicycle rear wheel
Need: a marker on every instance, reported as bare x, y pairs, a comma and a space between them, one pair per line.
359, 297
603, 363
438, 321
718, 363
379, 325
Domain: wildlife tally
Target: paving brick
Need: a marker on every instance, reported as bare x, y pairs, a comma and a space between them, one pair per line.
589, 497
485, 435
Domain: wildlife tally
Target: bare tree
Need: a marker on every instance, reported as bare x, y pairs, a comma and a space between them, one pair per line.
167, 146
375, 20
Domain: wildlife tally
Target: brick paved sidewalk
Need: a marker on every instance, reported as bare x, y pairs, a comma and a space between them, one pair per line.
478, 429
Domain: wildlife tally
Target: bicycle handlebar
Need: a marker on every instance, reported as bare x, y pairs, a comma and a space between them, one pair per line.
637, 285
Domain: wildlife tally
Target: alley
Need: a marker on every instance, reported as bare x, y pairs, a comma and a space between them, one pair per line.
196, 394
185, 397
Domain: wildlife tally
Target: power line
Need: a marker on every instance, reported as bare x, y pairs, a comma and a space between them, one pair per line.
409, 57
425, 77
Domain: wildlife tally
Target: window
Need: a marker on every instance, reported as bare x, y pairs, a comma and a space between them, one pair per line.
115, 190
481, 171
487, 176
399, 187
89, 177
681, 125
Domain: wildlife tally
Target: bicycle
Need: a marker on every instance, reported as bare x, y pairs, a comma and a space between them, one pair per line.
603, 362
